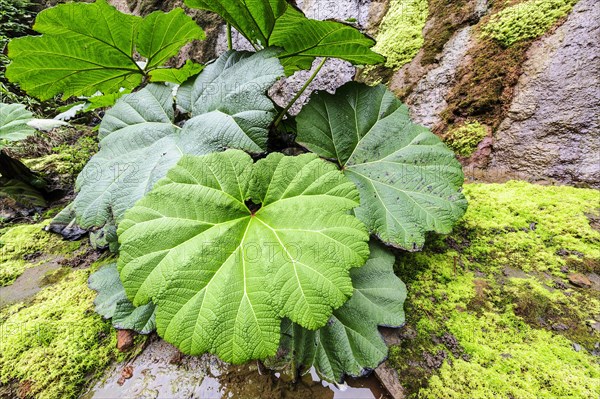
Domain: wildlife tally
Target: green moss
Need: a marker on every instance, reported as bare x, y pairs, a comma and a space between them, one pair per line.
465, 139
56, 342
526, 226
54, 276
15, 193
51, 212
445, 17
498, 284
484, 86
66, 160
526, 20
509, 359
400, 34
19, 242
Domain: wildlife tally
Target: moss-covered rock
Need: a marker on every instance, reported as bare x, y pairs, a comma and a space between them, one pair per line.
530, 227
509, 359
67, 159
465, 138
400, 34
51, 345
484, 87
25, 246
491, 312
445, 17
526, 20
63, 162
15, 194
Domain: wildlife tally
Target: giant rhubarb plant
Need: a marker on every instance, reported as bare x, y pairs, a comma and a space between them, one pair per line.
226, 245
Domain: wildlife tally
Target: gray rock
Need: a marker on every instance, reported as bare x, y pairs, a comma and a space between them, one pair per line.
481, 8
579, 280
428, 99
388, 376
333, 75
560, 327
595, 280
553, 127
340, 9
511, 272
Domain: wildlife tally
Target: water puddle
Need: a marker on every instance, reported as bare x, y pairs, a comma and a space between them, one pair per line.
28, 284
160, 373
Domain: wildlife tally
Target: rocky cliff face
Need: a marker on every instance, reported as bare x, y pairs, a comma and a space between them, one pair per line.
553, 125
537, 98
428, 99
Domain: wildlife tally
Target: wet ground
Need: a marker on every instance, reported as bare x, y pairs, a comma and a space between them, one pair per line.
161, 372
28, 284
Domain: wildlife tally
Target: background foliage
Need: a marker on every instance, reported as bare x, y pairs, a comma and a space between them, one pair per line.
16, 18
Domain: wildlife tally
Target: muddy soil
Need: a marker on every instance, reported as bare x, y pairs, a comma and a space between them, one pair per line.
160, 371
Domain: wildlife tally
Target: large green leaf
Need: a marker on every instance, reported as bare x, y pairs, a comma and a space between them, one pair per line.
85, 48
140, 142
350, 343
223, 272
304, 39
175, 75
13, 122
112, 302
255, 20
161, 35
277, 23
409, 181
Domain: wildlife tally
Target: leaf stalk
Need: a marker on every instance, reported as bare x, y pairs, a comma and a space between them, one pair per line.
299, 94
229, 38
